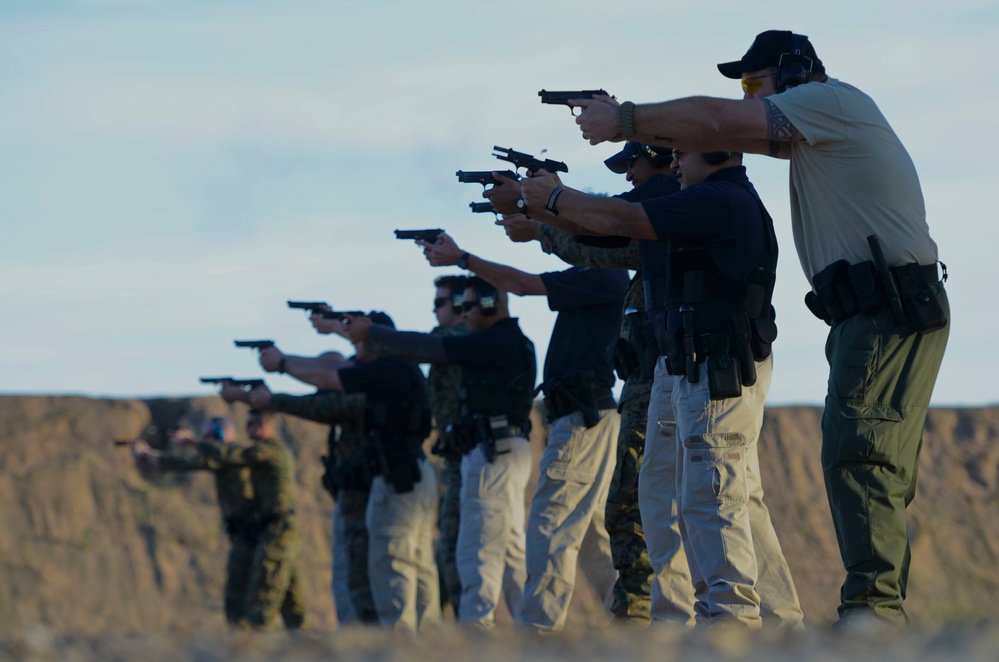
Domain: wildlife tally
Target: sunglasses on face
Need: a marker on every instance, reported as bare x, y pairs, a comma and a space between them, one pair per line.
752, 84
440, 302
677, 155
467, 306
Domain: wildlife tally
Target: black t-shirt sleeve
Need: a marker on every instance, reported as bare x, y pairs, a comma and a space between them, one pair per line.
579, 287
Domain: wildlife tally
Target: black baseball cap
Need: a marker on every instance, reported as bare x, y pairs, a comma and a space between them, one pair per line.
766, 51
619, 162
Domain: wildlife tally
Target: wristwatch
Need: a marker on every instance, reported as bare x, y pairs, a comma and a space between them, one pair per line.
521, 205
463, 261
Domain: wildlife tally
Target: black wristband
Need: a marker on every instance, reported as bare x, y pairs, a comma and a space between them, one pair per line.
551, 200
463, 261
280, 367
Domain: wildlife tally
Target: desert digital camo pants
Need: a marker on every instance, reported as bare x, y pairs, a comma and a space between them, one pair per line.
633, 588
709, 456
449, 518
491, 541
345, 613
274, 580
351, 588
237, 576
401, 565
566, 522
880, 382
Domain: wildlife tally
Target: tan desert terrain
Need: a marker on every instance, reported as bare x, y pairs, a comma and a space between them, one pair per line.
99, 562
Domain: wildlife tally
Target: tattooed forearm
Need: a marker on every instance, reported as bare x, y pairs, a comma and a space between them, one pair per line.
779, 128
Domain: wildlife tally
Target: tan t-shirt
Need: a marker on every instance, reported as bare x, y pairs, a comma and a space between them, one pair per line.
850, 179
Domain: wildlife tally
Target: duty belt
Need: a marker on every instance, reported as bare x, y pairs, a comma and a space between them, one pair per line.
844, 290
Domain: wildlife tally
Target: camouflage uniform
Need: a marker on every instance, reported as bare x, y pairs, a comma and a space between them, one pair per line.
344, 412
235, 495
632, 590
444, 381
274, 569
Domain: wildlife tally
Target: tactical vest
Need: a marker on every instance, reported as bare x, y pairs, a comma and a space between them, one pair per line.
484, 391
396, 430
701, 314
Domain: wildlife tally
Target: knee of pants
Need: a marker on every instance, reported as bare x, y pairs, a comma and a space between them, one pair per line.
865, 511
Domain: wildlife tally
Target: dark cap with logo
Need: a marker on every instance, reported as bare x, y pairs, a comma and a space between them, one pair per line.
619, 162
766, 51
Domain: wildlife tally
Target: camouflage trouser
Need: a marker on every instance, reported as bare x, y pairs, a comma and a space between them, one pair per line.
293, 606
237, 575
623, 520
353, 506
345, 613
449, 516
274, 584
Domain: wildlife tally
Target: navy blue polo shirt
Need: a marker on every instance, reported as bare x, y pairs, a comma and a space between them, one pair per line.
654, 187
588, 302
723, 213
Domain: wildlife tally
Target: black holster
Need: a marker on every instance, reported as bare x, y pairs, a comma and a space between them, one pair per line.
844, 290
568, 395
624, 357
397, 464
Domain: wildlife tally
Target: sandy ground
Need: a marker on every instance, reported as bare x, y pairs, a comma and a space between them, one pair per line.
967, 643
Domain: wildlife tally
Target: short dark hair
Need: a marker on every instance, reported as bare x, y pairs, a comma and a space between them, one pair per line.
482, 286
488, 294
718, 158
455, 284
381, 318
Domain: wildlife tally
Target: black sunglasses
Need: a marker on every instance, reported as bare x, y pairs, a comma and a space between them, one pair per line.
466, 306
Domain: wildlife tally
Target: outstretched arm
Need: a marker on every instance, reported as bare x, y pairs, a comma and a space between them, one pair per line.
601, 215
701, 124
446, 253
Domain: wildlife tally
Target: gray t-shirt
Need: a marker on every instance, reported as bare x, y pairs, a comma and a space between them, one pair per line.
850, 179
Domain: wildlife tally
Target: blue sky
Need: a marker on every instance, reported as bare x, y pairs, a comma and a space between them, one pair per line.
172, 172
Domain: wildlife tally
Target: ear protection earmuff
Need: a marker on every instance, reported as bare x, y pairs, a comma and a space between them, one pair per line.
794, 68
488, 298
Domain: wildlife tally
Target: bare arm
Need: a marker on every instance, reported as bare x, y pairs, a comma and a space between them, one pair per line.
598, 214
320, 371
446, 253
507, 278
701, 124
